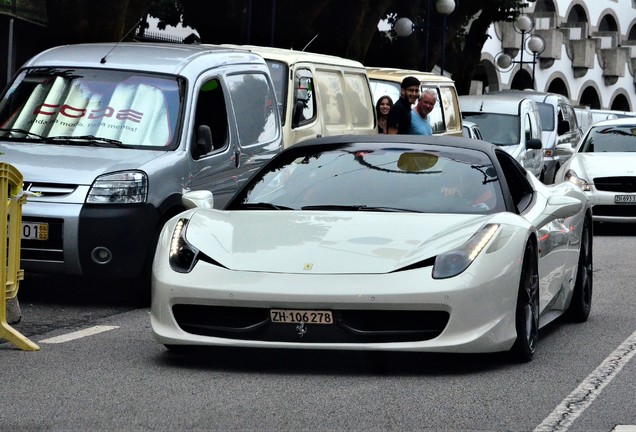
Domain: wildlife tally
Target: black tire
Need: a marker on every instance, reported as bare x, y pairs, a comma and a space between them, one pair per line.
527, 310
581, 303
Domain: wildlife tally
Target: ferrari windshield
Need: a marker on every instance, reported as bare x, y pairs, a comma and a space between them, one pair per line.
107, 107
610, 139
430, 179
500, 129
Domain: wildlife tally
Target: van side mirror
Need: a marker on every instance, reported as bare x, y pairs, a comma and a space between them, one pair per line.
563, 127
534, 144
204, 141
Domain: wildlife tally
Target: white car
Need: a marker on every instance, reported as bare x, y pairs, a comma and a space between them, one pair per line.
604, 167
387, 242
471, 130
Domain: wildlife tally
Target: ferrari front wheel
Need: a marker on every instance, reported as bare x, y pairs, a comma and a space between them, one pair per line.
581, 303
527, 310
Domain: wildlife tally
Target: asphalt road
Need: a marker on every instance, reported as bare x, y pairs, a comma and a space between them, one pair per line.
114, 376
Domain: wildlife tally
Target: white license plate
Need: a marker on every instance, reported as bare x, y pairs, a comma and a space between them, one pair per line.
294, 316
625, 199
34, 231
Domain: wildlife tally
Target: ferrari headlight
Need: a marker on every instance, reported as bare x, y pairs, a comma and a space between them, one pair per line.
571, 176
452, 263
182, 255
126, 187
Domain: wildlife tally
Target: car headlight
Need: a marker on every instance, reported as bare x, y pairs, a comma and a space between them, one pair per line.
126, 187
182, 255
571, 176
452, 263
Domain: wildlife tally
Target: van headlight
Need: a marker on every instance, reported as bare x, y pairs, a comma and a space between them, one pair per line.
571, 176
452, 263
125, 187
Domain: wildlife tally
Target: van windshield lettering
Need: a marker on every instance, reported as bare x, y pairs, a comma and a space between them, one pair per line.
113, 107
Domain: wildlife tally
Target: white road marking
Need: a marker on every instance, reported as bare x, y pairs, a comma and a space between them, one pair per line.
573, 406
624, 428
78, 334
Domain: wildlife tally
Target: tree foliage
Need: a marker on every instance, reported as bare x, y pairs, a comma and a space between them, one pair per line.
344, 28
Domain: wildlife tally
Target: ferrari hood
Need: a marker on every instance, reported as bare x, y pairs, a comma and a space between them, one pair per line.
607, 164
326, 242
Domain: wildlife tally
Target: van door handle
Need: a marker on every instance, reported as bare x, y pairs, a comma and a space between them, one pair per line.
237, 158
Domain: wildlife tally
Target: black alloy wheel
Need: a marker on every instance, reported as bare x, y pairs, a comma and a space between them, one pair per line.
527, 311
581, 303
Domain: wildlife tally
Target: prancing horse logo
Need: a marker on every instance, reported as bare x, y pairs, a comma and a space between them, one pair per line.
301, 329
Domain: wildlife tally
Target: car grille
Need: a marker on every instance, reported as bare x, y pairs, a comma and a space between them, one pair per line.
49, 190
51, 250
351, 326
624, 210
616, 184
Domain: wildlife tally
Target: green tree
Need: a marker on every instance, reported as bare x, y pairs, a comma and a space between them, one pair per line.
344, 28
350, 28
76, 21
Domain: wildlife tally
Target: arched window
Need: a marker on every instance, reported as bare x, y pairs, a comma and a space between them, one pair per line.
577, 15
558, 86
620, 103
590, 98
608, 24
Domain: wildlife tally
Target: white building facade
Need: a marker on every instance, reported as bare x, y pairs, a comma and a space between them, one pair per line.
588, 53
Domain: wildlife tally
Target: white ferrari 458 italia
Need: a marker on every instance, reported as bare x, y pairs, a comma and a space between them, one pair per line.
404, 243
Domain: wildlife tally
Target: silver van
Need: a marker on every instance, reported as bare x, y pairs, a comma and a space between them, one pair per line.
108, 137
318, 94
510, 122
559, 126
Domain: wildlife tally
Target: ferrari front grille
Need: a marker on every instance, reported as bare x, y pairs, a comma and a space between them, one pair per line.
351, 326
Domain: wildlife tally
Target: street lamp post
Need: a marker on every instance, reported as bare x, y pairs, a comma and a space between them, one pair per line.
404, 27
533, 42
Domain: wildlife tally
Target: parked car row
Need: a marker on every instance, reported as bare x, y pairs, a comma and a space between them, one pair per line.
109, 136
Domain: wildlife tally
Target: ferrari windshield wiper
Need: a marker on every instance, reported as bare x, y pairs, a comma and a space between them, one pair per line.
390, 209
263, 206
91, 139
22, 131
361, 207
334, 207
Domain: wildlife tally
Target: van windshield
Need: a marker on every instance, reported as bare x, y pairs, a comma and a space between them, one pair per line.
78, 106
500, 129
546, 113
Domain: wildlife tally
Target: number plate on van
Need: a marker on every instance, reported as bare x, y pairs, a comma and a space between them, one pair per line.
35, 231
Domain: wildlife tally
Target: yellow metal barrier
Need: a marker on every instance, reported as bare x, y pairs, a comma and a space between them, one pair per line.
11, 274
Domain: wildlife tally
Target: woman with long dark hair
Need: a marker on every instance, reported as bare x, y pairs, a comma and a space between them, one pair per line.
382, 108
